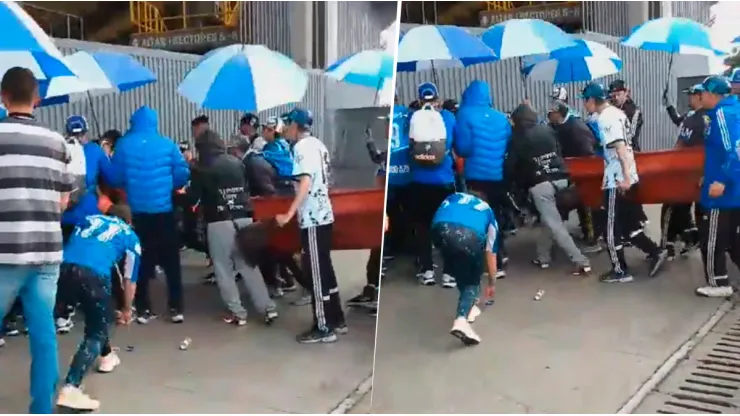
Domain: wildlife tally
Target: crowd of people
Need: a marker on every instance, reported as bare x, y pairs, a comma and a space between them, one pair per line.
88, 223
463, 176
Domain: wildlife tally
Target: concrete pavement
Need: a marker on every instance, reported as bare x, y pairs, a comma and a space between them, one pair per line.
586, 347
254, 369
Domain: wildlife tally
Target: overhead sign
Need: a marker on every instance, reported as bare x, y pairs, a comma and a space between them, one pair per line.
189, 40
555, 13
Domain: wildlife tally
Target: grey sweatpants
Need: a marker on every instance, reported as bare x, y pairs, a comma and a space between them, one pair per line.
227, 261
552, 225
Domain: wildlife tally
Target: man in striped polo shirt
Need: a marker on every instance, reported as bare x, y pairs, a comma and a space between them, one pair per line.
34, 190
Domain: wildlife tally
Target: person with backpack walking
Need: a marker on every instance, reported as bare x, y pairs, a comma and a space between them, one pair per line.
431, 138
482, 135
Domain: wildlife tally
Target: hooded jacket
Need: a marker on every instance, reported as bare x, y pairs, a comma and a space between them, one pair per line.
722, 154
575, 138
219, 181
481, 135
97, 164
148, 166
442, 174
534, 155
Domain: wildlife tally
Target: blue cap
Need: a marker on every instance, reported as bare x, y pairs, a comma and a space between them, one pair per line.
717, 84
735, 76
694, 89
76, 125
594, 90
303, 118
428, 91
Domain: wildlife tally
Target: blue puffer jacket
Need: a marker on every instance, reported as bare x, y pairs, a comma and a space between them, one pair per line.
97, 164
149, 166
399, 172
722, 154
482, 134
444, 173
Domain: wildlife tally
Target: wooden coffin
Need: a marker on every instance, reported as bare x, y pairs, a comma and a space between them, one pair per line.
670, 176
358, 220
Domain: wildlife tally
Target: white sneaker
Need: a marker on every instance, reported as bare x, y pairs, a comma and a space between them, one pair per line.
2, 342
72, 397
64, 325
108, 363
715, 291
177, 318
448, 281
500, 274
462, 330
474, 313
427, 278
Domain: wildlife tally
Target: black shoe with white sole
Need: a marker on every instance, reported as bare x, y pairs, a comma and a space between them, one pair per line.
316, 336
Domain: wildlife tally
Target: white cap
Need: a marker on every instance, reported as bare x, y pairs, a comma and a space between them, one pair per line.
559, 93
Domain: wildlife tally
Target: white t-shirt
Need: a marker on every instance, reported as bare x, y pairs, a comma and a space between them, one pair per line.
311, 158
613, 127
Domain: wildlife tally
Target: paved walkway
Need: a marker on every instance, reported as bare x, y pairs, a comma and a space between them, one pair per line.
586, 347
254, 369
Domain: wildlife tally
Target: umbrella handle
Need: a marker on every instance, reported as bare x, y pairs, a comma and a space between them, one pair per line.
523, 78
668, 76
92, 112
434, 74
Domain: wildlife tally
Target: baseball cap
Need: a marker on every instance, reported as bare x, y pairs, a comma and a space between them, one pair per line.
618, 85
735, 76
694, 89
717, 84
274, 122
303, 118
559, 94
594, 90
428, 91
557, 106
250, 119
76, 125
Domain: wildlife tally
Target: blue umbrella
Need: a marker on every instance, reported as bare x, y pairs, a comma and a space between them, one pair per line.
371, 68
523, 37
736, 40
432, 47
585, 61
26, 45
97, 73
248, 78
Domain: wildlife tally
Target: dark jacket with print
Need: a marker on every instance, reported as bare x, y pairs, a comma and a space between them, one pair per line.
634, 115
219, 182
533, 155
574, 137
262, 177
692, 126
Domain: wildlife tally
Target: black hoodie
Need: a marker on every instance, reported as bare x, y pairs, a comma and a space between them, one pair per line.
219, 182
634, 115
533, 156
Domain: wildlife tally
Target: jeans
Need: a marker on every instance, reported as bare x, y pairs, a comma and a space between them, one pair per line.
37, 288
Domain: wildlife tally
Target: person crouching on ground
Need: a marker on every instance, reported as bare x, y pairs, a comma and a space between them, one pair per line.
465, 231
315, 219
221, 188
94, 249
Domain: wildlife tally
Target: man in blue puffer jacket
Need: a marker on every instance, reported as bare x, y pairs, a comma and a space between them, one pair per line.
720, 188
150, 168
429, 187
482, 135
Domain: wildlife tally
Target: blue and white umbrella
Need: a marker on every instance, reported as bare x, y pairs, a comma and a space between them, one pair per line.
523, 37
26, 45
435, 47
248, 78
97, 73
585, 61
675, 35
371, 68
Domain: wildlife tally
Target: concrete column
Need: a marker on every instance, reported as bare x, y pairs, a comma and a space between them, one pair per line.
666, 9
332, 31
301, 33
637, 13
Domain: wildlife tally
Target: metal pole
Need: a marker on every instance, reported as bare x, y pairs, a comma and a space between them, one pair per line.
423, 14
434, 4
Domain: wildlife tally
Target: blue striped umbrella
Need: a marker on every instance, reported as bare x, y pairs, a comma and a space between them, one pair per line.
249, 78
523, 37
26, 45
585, 61
736, 40
434, 47
371, 68
675, 35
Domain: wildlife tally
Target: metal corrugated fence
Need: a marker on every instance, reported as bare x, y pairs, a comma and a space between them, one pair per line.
113, 111
266, 23
360, 24
608, 17
645, 72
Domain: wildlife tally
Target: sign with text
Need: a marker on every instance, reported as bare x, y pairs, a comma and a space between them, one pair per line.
187, 40
557, 13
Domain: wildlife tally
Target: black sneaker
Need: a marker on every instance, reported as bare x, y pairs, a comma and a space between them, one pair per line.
365, 299
144, 317
316, 336
656, 262
235, 320
581, 270
271, 316
670, 250
373, 312
541, 264
11, 329
614, 277
341, 329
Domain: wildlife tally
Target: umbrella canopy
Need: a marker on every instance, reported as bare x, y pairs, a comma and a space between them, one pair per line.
736, 40
523, 37
98, 73
372, 68
434, 47
675, 35
26, 45
585, 61
248, 78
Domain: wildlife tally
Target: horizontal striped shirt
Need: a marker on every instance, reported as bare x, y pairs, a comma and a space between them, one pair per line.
33, 177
